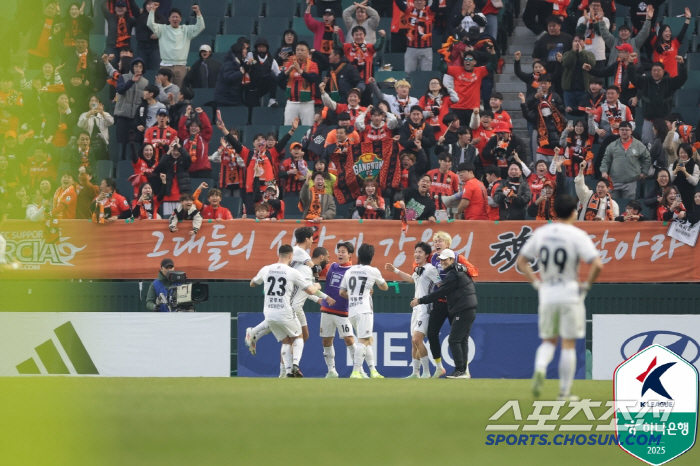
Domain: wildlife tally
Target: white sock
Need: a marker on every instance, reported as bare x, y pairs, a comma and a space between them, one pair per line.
283, 370
287, 358
369, 356
438, 364
543, 356
260, 330
425, 362
352, 349
567, 370
359, 359
329, 356
297, 350
416, 366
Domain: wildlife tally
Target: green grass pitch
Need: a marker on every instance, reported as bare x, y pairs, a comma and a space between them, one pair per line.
238, 421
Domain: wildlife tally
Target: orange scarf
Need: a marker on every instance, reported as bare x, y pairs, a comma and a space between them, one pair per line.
315, 207
415, 130
327, 40
594, 206
334, 91
44, 42
559, 122
82, 61
414, 17
305, 93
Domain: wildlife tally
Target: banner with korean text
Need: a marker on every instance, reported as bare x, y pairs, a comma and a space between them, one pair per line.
237, 249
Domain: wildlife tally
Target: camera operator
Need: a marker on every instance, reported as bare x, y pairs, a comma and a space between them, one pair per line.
158, 291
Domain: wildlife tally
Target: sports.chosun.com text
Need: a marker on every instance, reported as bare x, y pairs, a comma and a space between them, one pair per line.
574, 439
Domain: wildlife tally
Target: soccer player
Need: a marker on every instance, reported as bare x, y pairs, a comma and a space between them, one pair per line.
356, 287
425, 277
559, 247
280, 282
334, 310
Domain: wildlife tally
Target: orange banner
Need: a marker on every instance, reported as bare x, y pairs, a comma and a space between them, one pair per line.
237, 249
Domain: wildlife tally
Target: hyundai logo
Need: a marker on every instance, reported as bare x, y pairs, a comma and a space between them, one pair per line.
680, 344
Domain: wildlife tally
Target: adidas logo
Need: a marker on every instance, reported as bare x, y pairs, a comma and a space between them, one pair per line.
53, 361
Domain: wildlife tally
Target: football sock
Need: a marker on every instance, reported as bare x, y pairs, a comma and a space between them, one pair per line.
287, 358
567, 369
438, 363
543, 356
416, 366
360, 351
352, 349
260, 330
369, 356
425, 362
297, 350
329, 356
283, 370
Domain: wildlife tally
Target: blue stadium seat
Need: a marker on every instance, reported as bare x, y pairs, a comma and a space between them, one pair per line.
242, 25
267, 116
246, 8
281, 8
124, 169
234, 204
274, 25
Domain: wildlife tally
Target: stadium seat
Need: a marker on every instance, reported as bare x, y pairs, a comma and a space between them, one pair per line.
234, 116
212, 24
291, 207
691, 115
215, 166
621, 10
103, 169
125, 188
201, 40
239, 25
298, 134
395, 59
252, 130
686, 97
202, 97
677, 7
97, 43
246, 8
216, 8
381, 76
234, 204
420, 79
694, 61
223, 43
192, 57
300, 28
343, 210
125, 169
195, 182
274, 25
267, 116
281, 8
184, 6
693, 81
622, 204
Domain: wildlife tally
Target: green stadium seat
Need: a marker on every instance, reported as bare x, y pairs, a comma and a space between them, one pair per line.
343, 210
195, 182
246, 8
244, 25
298, 134
103, 169
267, 116
124, 169
212, 24
686, 97
273, 25
694, 61
97, 43
677, 7
125, 188
693, 81
691, 115
252, 130
216, 8
202, 97
223, 43
281, 8
420, 79
200, 40
234, 116
300, 28
291, 207
234, 204
395, 59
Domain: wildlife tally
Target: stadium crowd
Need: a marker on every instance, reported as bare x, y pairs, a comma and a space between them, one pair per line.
262, 108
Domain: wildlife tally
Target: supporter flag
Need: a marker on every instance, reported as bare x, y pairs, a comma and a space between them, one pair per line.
376, 159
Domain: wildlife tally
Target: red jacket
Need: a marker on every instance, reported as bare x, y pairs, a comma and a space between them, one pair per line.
198, 148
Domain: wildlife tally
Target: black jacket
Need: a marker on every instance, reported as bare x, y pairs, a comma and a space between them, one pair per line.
167, 165
195, 79
143, 33
458, 288
95, 73
113, 24
492, 152
656, 98
406, 141
348, 78
471, 154
228, 83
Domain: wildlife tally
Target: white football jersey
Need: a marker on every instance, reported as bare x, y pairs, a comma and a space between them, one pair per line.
358, 281
425, 284
299, 296
559, 249
280, 281
300, 256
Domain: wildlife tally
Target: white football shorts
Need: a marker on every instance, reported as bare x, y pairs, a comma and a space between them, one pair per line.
566, 320
331, 322
364, 324
419, 320
282, 329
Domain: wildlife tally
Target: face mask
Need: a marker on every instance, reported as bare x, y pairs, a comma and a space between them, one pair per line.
546, 112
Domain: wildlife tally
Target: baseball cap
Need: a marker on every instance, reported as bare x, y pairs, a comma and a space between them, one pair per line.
625, 48
446, 254
205, 47
328, 11
162, 111
120, 4
295, 144
10, 134
167, 262
500, 126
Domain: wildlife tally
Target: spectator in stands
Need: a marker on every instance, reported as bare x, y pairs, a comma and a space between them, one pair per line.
443, 181
546, 112
467, 83
436, 103
293, 171
536, 15
174, 40
413, 166
496, 105
551, 44
633, 213
381, 125
542, 205
40, 167
465, 15
160, 135
450, 135
262, 212
314, 140
263, 74
195, 129
229, 83
77, 153
314, 203
167, 89
502, 147
60, 122
96, 121
531, 80
149, 108
416, 129
186, 210
40, 37
419, 39
694, 210
173, 171
596, 205
343, 79
607, 118
365, 16
86, 193
321, 166
232, 171
575, 78
594, 97
130, 87
16, 208
145, 205
625, 37
323, 30
656, 151
415, 201
666, 47
462, 150
654, 196
513, 195
78, 93
271, 199
626, 160
285, 53
147, 41
360, 54
685, 173
589, 27
75, 21
656, 90
577, 144
401, 103
618, 72
493, 178
213, 211
37, 209
671, 206
299, 80
109, 206
86, 63
203, 73
473, 198
370, 204
119, 26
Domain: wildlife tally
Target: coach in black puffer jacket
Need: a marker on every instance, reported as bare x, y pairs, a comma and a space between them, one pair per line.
175, 166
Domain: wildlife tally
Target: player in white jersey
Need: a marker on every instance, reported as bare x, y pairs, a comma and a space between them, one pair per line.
426, 278
356, 287
280, 280
559, 249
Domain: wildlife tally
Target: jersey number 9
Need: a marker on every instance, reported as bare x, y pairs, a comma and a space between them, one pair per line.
353, 284
559, 258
